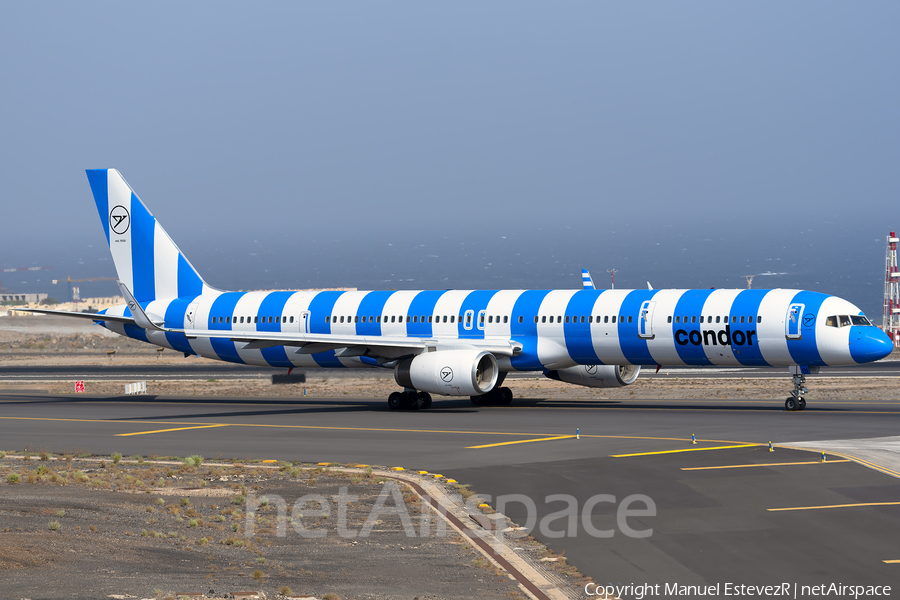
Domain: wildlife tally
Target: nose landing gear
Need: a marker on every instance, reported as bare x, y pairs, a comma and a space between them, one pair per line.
796, 401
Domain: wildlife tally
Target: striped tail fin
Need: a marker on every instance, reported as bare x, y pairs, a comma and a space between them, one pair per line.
146, 258
586, 280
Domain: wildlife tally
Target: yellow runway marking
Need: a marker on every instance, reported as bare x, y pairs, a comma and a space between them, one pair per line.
547, 439
684, 450
814, 462
834, 506
891, 562
167, 430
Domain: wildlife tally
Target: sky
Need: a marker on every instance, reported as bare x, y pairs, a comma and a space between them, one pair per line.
411, 145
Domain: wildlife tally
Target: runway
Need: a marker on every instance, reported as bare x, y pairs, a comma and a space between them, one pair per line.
711, 525
201, 370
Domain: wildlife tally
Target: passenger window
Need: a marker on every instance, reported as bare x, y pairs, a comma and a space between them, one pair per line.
342, 319
407, 318
490, 319
255, 319
356, 319
693, 319
670, 318
742, 318
559, 319
451, 318
468, 319
678, 319
717, 319
415, 319
734, 319
242, 319
378, 319
543, 319
292, 318
582, 319
629, 318
481, 318
505, 319
606, 319
567, 318
228, 319
701, 318
614, 319
551, 319
430, 317
759, 319
590, 318
535, 319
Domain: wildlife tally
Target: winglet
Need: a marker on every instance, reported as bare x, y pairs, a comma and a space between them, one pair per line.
586, 279
649, 287
140, 317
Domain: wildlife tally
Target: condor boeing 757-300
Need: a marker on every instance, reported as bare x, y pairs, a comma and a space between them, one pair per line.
464, 342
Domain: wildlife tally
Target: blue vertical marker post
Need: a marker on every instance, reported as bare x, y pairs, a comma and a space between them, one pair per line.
577, 435
693, 439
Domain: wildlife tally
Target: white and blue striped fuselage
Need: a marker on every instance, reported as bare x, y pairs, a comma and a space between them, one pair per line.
553, 329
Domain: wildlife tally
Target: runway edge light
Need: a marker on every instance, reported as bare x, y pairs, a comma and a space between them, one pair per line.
771, 448
693, 439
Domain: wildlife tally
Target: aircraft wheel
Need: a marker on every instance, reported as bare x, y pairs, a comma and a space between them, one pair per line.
505, 396
425, 399
477, 400
790, 404
802, 404
395, 401
414, 401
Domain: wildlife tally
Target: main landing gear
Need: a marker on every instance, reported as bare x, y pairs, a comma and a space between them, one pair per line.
499, 396
409, 400
796, 401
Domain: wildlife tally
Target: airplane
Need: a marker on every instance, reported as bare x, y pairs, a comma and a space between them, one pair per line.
465, 342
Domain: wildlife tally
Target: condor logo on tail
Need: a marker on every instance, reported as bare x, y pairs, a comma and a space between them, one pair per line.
710, 337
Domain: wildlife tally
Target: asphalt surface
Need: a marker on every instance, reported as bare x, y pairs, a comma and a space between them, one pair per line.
194, 369
710, 525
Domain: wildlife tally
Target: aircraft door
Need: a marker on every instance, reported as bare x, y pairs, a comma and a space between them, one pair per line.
645, 320
470, 316
191, 314
304, 322
792, 322
481, 314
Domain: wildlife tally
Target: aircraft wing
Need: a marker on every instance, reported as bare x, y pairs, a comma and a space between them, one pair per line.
79, 315
386, 347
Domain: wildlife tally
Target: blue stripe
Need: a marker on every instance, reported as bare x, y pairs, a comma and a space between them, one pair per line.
858, 344
690, 305
134, 331
372, 305
224, 306
422, 307
747, 305
175, 319
273, 305
804, 350
527, 305
142, 228
99, 180
476, 301
322, 306
578, 334
189, 282
634, 348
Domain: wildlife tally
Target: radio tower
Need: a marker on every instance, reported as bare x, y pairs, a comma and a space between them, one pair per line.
890, 317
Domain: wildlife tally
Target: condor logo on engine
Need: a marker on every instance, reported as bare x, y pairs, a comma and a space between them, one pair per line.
710, 337
447, 374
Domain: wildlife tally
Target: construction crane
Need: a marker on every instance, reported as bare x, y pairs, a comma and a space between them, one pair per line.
70, 281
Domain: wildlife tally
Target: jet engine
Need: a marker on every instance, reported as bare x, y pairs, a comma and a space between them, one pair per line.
597, 376
465, 372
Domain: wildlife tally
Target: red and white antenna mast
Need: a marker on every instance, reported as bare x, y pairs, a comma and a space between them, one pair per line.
890, 317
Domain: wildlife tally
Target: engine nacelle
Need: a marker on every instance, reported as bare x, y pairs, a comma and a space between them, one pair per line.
466, 372
597, 376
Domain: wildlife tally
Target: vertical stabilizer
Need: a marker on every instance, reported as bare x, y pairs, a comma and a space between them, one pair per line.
147, 260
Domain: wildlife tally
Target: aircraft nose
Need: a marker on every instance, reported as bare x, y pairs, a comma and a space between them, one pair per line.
878, 344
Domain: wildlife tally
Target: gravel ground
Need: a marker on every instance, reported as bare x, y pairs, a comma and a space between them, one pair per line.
92, 530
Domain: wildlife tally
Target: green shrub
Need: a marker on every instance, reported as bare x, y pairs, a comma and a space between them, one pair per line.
60, 513
239, 499
143, 533
116, 457
193, 461
2, 454
184, 501
160, 501
193, 523
54, 525
13, 478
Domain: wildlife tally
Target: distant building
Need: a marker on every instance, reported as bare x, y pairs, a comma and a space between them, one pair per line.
8, 296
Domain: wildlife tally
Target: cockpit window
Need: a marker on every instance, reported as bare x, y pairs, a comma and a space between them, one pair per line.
860, 320
845, 320
831, 321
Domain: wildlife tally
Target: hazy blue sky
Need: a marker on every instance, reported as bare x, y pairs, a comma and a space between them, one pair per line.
493, 144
